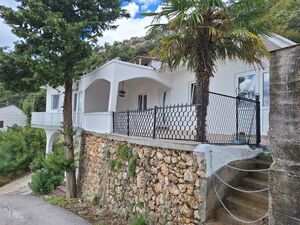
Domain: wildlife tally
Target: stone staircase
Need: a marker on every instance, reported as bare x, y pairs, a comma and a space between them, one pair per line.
246, 206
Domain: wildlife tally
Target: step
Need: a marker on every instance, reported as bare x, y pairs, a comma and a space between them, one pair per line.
265, 158
257, 197
248, 208
260, 175
262, 164
222, 215
253, 183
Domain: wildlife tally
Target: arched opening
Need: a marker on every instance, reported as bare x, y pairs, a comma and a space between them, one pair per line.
97, 96
142, 93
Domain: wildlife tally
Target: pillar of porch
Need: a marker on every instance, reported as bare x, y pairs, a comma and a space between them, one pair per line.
113, 96
50, 136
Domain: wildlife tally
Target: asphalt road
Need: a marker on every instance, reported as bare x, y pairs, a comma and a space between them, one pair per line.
31, 210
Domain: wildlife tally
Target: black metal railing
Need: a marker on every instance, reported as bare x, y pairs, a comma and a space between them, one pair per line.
225, 120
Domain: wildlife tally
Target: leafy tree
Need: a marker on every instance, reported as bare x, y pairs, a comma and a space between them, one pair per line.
125, 51
283, 17
198, 32
33, 102
56, 37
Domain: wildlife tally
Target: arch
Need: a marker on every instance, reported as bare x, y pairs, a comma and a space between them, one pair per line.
97, 96
150, 77
50, 136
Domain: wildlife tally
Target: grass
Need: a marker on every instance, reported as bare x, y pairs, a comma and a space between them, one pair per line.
140, 220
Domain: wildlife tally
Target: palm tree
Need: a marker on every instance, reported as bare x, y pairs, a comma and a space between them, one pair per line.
198, 32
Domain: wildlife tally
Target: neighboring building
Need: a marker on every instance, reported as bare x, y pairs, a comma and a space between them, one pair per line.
11, 115
143, 84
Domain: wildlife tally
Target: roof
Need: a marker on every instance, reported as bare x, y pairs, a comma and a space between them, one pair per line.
275, 42
11, 106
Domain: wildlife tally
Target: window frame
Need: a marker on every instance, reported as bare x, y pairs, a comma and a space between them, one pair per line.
53, 107
1, 124
192, 93
142, 102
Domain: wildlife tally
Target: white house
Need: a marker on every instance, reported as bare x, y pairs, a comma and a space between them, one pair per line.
143, 91
11, 115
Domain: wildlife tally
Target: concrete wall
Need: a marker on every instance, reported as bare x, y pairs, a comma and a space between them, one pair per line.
284, 178
11, 115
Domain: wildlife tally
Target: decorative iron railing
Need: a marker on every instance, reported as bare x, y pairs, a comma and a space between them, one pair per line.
224, 120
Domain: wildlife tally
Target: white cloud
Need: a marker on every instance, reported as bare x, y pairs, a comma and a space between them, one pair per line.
127, 28
146, 3
6, 36
132, 8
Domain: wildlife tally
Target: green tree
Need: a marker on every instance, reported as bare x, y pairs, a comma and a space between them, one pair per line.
283, 17
56, 37
198, 32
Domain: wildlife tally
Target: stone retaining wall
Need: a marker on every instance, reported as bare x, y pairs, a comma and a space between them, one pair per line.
165, 183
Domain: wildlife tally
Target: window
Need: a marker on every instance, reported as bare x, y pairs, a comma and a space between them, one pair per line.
75, 102
193, 94
55, 102
246, 86
142, 102
266, 89
1, 124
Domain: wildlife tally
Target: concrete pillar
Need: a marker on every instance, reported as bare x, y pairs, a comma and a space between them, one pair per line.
113, 96
284, 180
50, 135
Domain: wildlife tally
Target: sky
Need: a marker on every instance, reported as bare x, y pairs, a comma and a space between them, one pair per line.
127, 28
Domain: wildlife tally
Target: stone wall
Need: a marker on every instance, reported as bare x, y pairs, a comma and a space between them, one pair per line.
285, 137
167, 183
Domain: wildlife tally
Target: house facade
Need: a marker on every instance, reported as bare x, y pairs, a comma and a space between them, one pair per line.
146, 95
11, 115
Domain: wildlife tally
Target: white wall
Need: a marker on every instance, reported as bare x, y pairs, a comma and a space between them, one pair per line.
12, 115
140, 86
97, 96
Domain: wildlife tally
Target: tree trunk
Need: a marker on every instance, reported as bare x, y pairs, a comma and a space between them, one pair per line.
202, 101
68, 138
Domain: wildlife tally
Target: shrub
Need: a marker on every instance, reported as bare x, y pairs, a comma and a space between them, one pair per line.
44, 181
18, 148
49, 172
140, 220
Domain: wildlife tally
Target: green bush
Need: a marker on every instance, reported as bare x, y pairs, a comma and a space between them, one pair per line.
140, 220
44, 181
49, 172
18, 148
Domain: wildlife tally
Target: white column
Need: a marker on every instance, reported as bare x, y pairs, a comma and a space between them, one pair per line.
113, 96
50, 135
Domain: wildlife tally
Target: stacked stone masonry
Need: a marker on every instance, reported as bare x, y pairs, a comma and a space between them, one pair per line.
166, 186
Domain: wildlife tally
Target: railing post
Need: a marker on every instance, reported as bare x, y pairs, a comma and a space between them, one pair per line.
237, 116
128, 122
154, 122
258, 136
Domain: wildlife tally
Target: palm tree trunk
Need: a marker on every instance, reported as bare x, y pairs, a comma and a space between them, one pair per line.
68, 138
202, 101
